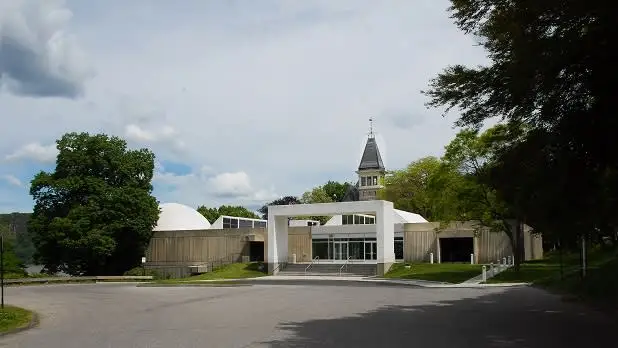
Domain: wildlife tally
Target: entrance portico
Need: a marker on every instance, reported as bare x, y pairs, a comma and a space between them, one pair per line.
383, 248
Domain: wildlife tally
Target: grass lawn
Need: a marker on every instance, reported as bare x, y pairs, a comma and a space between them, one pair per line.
442, 272
231, 271
14, 318
600, 284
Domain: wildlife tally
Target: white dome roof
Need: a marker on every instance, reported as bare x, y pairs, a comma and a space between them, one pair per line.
179, 217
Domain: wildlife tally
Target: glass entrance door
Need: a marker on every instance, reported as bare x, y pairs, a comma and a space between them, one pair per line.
371, 250
341, 250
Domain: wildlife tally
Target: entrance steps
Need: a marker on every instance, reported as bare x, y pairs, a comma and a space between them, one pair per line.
330, 269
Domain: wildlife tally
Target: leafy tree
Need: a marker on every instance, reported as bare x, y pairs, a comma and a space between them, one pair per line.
550, 69
316, 195
336, 190
94, 213
472, 154
287, 200
11, 263
410, 188
212, 214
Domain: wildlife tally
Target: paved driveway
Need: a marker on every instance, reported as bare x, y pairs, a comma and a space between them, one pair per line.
352, 315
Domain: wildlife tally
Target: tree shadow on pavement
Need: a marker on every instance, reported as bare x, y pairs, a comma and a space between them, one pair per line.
518, 317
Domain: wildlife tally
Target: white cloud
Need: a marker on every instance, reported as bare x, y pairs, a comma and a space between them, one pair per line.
38, 57
231, 185
202, 187
165, 135
11, 179
280, 90
35, 152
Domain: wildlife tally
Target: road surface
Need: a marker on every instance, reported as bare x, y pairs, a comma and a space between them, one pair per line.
308, 315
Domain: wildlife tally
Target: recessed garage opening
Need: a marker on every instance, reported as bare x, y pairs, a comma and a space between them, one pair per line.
256, 251
456, 249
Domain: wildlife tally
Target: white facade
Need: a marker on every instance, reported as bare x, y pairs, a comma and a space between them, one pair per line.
179, 217
383, 229
303, 222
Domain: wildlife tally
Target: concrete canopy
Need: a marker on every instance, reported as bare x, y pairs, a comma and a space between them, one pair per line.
278, 228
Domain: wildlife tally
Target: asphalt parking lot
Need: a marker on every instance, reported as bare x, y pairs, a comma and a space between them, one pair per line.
303, 315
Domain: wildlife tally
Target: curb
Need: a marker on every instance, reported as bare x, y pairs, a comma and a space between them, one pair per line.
34, 322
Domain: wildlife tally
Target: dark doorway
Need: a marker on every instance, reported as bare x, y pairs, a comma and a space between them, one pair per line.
256, 251
456, 249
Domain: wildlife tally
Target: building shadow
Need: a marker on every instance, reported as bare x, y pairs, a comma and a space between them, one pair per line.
522, 318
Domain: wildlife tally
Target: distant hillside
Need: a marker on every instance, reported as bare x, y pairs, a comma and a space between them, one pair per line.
14, 227
14, 223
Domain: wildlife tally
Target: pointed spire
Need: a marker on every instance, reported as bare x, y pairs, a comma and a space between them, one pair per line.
371, 156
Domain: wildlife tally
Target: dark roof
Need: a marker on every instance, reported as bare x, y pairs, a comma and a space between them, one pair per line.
371, 156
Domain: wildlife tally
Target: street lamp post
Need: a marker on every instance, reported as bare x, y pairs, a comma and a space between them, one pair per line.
2, 270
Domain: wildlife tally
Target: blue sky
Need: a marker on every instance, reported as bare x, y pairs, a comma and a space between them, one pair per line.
241, 101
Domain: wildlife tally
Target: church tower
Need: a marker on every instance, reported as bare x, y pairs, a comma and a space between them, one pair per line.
371, 170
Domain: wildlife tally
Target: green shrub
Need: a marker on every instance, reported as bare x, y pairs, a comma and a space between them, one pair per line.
139, 271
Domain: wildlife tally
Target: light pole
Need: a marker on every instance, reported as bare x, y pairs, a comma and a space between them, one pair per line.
2, 270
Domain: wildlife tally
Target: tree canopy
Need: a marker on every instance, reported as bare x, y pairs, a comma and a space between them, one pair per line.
212, 214
93, 214
287, 200
550, 73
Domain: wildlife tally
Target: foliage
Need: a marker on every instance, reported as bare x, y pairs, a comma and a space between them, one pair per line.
140, 271
94, 213
414, 188
12, 318
287, 200
549, 79
336, 190
14, 226
212, 214
316, 195
11, 263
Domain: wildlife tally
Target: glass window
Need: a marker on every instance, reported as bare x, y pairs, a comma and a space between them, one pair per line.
259, 224
363, 181
346, 220
375, 180
371, 221
320, 248
398, 248
245, 223
233, 223
226, 223
357, 220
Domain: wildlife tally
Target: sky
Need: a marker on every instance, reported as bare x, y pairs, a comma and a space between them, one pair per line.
241, 101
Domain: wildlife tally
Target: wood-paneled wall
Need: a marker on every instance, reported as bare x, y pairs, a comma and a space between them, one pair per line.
299, 243
193, 247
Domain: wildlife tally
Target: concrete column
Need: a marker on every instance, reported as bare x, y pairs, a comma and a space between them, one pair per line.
277, 241
385, 236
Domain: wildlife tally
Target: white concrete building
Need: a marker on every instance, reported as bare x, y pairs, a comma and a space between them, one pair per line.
345, 238
353, 236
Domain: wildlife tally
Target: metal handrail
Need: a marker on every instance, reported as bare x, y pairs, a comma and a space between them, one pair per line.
316, 260
345, 265
280, 266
